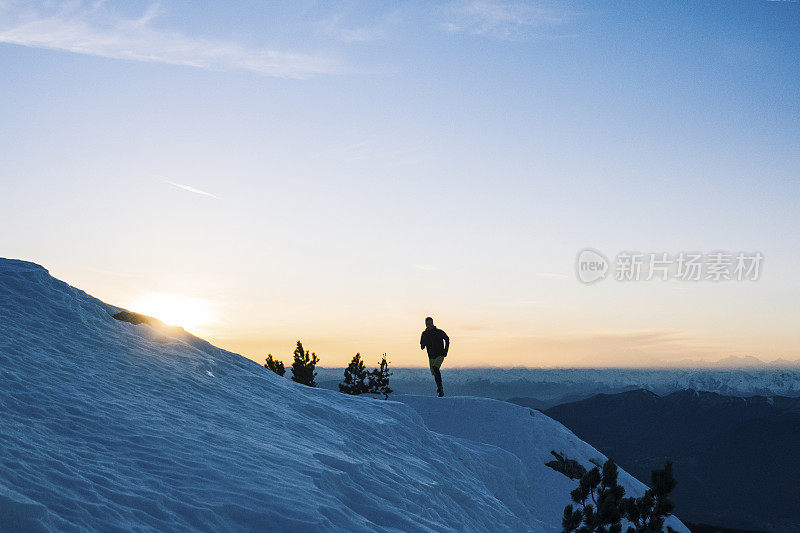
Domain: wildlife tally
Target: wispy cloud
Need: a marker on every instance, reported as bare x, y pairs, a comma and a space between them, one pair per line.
366, 23
505, 20
363, 34
192, 189
93, 30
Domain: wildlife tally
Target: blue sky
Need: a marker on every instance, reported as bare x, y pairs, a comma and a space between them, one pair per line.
337, 171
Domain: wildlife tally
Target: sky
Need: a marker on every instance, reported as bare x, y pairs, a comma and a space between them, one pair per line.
262, 172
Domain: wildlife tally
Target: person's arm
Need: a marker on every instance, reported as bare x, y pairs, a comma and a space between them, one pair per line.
422, 341
446, 342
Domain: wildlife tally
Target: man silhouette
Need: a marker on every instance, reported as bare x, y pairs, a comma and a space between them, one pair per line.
438, 343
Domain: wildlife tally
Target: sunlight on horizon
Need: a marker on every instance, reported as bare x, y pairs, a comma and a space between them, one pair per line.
192, 314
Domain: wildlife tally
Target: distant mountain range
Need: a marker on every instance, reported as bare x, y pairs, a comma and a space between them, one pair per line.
733, 361
542, 388
736, 459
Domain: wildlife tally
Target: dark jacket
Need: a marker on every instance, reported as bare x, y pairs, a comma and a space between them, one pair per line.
436, 341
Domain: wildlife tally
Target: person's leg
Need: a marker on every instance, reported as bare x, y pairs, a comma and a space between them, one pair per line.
437, 375
435, 363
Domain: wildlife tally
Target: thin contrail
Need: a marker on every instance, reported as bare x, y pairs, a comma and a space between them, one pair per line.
192, 189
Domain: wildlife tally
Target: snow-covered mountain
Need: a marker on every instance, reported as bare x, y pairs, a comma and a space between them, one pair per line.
552, 386
112, 426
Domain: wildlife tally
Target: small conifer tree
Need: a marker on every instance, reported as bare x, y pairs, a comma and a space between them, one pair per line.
569, 467
599, 496
355, 376
602, 506
304, 365
379, 379
647, 513
275, 365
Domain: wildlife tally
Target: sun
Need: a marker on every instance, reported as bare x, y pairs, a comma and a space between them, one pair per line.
176, 310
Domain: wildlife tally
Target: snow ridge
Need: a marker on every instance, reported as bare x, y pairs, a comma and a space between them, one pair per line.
111, 426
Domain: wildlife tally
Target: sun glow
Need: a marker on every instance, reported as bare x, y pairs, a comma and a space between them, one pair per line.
176, 310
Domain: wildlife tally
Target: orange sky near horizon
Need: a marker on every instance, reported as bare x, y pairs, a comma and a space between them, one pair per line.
503, 335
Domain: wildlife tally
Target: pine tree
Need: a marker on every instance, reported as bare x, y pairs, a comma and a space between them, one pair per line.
599, 496
602, 505
647, 513
379, 379
355, 376
303, 367
275, 365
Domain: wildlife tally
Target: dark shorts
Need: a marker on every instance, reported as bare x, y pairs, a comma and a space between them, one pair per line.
435, 362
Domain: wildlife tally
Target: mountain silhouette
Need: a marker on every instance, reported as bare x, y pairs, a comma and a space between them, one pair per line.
735, 458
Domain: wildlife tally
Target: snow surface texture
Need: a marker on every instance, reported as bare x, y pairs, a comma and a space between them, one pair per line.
110, 426
529, 435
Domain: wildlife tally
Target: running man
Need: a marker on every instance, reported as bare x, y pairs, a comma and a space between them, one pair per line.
438, 343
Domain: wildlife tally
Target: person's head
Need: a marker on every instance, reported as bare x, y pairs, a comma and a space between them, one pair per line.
429, 322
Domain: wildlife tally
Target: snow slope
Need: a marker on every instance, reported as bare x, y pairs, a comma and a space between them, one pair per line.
110, 426
529, 435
